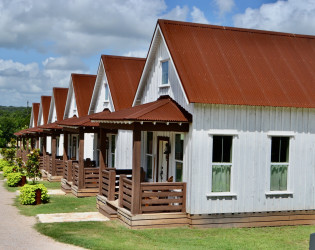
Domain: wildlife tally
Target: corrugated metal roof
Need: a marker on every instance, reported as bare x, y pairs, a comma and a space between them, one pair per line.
53, 125
35, 108
60, 96
163, 110
45, 102
123, 75
222, 65
83, 86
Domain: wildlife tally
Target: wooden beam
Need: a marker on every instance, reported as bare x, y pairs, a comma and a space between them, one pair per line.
148, 126
81, 160
44, 146
53, 154
136, 172
65, 146
102, 156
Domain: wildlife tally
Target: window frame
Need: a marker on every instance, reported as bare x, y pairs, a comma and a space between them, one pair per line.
176, 160
167, 84
149, 155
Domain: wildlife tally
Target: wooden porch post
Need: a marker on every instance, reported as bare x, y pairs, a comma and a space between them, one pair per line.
44, 146
53, 154
102, 156
65, 147
27, 145
37, 142
136, 162
81, 160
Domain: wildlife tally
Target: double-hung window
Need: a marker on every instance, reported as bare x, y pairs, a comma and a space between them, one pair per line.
165, 73
179, 155
149, 154
279, 163
221, 163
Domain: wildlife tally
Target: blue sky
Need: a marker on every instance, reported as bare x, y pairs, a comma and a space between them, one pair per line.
43, 42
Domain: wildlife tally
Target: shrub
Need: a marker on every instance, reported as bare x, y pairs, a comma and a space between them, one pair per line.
13, 179
8, 170
28, 194
3, 163
8, 154
32, 165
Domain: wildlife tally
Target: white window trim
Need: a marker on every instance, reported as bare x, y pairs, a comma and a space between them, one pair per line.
165, 85
106, 100
234, 134
146, 154
271, 134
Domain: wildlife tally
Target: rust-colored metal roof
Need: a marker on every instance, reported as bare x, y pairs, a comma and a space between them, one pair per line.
53, 125
223, 65
164, 109
35, 108
60, 96
123, 75
83, 121
45, 102
83, 86
33, 130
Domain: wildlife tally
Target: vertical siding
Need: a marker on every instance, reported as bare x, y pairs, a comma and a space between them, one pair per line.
123, 152
151, 90
48, 144
251, 158
88, 145
73, 108
100, 105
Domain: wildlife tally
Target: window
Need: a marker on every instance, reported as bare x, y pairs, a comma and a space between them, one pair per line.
221, 163
179, 155
149, 154
112, 150
165, 72
106, 92
279, 163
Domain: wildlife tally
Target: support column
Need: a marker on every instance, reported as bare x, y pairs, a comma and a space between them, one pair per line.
53, 154
136, 172
44, 146
65, 147
27, 145
37, 142
102, 156
81, 160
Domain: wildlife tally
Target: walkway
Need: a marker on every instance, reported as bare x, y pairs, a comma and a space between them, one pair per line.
16, 230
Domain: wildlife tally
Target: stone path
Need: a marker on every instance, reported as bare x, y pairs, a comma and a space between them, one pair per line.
71, 217
16, 230
50, 192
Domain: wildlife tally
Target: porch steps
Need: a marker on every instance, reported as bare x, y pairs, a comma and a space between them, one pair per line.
107, 211
84, 192
66, 186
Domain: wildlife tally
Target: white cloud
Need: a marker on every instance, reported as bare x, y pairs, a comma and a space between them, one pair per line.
198, 16
137, 53
224, 6
286, 16
21, 82
178, 13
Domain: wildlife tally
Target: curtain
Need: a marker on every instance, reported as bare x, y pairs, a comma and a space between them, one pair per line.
221, 178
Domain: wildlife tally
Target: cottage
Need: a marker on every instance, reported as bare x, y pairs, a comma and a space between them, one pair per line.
223, 125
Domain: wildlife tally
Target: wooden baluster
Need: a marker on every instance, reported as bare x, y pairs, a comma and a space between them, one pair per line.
121, 190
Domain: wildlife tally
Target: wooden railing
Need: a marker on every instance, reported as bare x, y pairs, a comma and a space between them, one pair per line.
69, 173
24, 155
91, 177
46, 162
110, 182
18, 153
41, 162
60, 166
50, 165
163, 197
125, 192
76, 174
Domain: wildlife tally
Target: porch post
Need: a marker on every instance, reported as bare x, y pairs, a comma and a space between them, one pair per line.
27, 145
65, 146
44, 153
136, 162
102, 157
37, 142
53, 154
81, 160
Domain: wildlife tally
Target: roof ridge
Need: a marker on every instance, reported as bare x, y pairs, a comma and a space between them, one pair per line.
238, 29
125, 57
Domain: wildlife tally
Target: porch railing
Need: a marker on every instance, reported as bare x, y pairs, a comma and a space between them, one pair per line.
76, 174
60, 166
69, 172
50, 165
18, 153
41, 162
110, 179
91, 177
165, 197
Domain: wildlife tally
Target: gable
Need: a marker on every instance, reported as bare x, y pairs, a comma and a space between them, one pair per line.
34, 115
222, 65
150, 87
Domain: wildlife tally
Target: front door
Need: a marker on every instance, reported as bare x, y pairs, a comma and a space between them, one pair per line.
163, 159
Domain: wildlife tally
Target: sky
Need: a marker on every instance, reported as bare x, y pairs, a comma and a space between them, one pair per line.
43, 42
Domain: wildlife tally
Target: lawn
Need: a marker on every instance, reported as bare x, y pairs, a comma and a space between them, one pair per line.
48, 185
59, 204
112, 235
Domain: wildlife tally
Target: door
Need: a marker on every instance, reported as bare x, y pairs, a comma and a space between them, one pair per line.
163, 159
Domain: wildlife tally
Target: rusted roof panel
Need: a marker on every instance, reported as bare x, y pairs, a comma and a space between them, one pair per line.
163, 110
35, 108
123, 75
45, 102
60, 95
82, 121
223, 65
53, 125
83, 86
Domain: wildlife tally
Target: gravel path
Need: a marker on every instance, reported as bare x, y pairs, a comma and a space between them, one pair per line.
16, 230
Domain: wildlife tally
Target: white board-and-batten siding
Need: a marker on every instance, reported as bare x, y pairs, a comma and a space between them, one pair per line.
251, 153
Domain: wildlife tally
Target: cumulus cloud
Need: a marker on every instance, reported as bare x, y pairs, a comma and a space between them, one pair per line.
198, 16
224, 6
286, 16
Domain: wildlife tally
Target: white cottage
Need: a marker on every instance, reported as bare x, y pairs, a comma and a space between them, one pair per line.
44, 142
247, 156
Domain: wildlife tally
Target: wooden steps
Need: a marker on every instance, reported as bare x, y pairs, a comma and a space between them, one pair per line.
84, 192
66, 186
107, 211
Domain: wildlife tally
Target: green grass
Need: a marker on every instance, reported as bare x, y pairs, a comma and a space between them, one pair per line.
51, 185
59, 204
112, 235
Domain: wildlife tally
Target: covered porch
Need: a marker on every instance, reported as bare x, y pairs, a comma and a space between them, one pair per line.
147, 195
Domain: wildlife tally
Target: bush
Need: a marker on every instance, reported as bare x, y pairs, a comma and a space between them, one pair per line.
28, 194
8, 154
3, 163
8, 170
13, 179
32, 165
